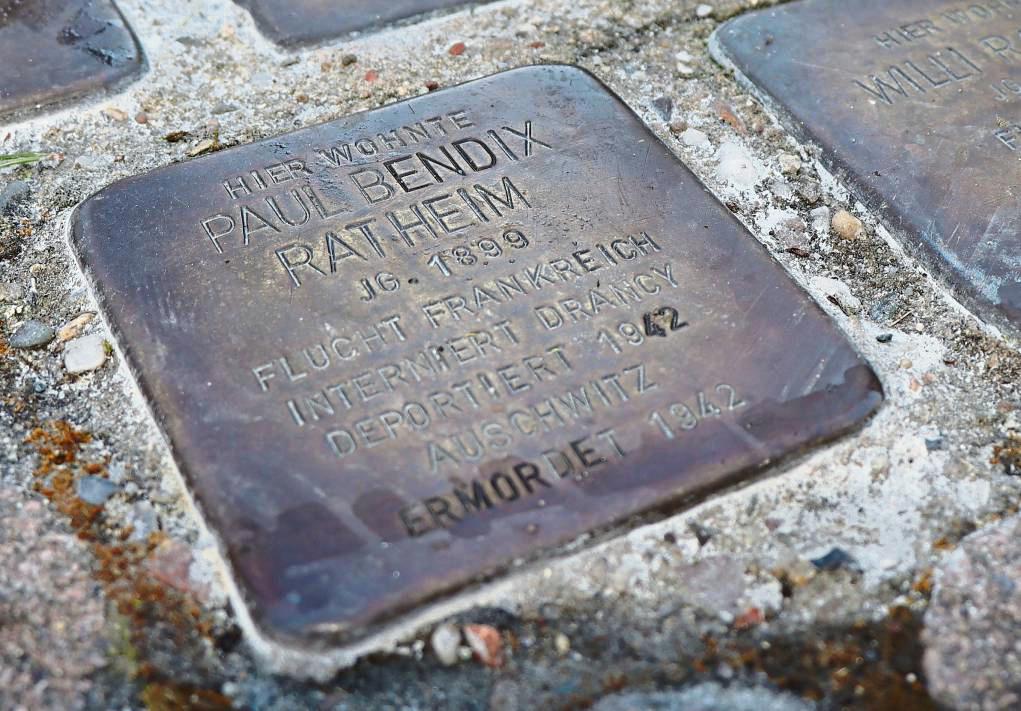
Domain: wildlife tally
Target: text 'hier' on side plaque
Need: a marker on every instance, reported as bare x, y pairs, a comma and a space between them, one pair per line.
303, 22
397, 352
50, 51
918, 104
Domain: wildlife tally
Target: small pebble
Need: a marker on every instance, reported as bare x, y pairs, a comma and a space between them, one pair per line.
846, 225
810, 191
664, 106
144, 521
206, 145
347, 60
906, 363
95, 490
836, 559
562, 644
821, 221
74, 327
457, 49
678, 126
141, 117
703, 11
445, 640
695, 138
884, 337
85, 353
31, 334
223, 108
115, 114
789, 164
792, 237
92, 162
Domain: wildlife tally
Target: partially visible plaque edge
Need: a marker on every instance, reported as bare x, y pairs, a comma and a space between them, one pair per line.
270, 32
320, 661
85, 92
989, 316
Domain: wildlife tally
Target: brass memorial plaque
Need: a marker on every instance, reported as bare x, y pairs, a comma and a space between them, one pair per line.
58, 49
302, 22
397, 352
918, 104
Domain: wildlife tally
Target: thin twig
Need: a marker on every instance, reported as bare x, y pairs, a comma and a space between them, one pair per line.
906, 314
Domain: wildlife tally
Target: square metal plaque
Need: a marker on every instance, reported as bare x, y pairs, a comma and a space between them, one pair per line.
58, 49
917, 103
303, 22
397, 352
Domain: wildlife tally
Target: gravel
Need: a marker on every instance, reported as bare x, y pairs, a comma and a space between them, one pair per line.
624, 600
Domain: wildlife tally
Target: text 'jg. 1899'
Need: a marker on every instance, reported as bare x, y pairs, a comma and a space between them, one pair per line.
397, 352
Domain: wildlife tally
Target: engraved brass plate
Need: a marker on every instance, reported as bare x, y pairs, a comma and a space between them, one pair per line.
57, 49
918, 104
302, 22
396, 352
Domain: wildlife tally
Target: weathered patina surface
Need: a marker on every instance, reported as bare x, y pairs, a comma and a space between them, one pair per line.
55, 49
918, 103
398, 351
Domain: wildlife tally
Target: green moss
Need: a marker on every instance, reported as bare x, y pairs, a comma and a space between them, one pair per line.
123, 655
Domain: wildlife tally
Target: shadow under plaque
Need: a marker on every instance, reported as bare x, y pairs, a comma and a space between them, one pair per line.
302, 22
396, 352
917, 104
53, 50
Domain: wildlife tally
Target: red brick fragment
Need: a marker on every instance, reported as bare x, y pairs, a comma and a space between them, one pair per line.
749, 618
487, 644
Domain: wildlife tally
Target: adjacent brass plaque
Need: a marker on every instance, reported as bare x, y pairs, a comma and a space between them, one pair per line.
57, 49
918, 103
302, 22
396, 352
